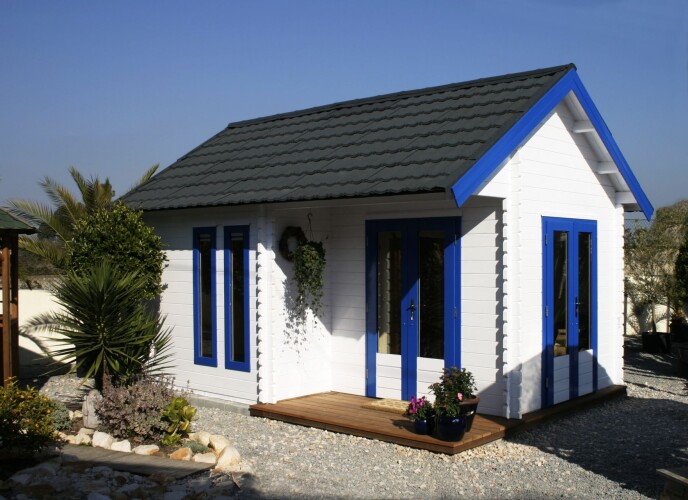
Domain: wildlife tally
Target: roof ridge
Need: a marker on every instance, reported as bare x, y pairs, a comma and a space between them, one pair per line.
404, 94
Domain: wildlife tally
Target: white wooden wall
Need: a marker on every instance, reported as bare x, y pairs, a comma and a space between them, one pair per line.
501, 282
481, 297
551, 175
176, 230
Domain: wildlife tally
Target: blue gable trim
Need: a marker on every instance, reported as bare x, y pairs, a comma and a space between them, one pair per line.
490, 161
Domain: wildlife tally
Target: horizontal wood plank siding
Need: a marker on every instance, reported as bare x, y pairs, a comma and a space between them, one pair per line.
552, 175
176, 302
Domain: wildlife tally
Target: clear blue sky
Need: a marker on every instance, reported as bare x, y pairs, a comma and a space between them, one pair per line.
114, 87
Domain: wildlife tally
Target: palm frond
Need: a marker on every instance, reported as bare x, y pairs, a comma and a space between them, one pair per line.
146, 176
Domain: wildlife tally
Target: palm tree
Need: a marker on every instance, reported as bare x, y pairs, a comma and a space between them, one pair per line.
55, 223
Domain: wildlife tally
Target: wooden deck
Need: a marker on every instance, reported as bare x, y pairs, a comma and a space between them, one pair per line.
344, 413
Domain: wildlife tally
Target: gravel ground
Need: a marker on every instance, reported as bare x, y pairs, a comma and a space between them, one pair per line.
611, 450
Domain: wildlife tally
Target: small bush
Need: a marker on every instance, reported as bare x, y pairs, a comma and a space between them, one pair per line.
178, 416
195, 446
26, 422
171, 440
135, 412
60, 417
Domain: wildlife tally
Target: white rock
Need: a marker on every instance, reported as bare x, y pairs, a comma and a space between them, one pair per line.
202, 437
82, 439
71, 439
78, 414
22, 477
87, 431
228, 459
97, 496
218, 443
102, 440
121, 446
181, 454
146, 449
206, 458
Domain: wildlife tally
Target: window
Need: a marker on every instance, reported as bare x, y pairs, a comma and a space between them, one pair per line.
205, 351
236, 299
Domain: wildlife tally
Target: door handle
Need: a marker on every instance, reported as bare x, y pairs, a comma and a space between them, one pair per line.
412, 308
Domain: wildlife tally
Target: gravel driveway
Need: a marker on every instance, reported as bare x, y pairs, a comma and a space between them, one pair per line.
611, 450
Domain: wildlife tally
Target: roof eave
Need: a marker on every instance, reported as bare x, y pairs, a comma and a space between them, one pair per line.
486, 165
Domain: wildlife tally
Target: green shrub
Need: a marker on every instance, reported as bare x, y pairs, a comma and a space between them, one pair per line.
171, 440
26, 422
178, 416
195, 446
135, 412
121, 236
60, 417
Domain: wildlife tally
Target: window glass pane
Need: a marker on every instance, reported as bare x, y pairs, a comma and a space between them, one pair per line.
561, 288
205, 248
237, 274
431, 294
584, 287
389, 292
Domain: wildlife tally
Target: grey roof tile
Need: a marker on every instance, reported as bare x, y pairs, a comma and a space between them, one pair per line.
407, 142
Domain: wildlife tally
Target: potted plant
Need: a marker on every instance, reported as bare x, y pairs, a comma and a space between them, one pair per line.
420, 410
455, 403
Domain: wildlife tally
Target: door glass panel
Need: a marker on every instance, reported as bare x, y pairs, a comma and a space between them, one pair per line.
584, 287
431, 294
561, 294
389, 292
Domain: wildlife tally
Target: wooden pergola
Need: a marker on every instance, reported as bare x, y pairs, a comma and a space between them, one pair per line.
10, 229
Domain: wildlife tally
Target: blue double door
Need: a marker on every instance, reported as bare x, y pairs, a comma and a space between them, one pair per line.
412, 310
569, 358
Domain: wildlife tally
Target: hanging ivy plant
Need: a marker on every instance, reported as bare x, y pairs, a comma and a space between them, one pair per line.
309, 274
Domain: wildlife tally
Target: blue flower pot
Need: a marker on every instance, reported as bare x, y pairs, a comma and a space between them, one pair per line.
451, 428
424, 426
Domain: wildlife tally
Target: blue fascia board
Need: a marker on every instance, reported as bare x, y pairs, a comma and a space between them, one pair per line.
486, 165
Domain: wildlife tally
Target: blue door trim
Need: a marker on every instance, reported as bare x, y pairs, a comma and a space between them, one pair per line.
409, 229
574, 227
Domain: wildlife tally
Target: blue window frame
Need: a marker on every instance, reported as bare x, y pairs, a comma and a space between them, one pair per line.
204, 296
237, 340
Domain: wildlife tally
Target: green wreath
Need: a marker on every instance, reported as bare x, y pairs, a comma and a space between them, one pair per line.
291, 232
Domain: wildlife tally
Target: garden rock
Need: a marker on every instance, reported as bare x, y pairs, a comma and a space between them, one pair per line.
82, 439
146, 449
206, 458
182, 454
124, 446
228, 459
218, 443
87, 431
102, 440
202, 437
89, 409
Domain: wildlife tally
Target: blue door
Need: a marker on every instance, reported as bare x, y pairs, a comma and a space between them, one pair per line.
569, 359
412, 294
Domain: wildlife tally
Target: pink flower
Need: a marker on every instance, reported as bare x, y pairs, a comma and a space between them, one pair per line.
460, 396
